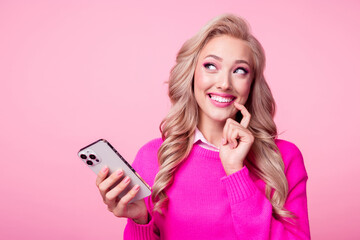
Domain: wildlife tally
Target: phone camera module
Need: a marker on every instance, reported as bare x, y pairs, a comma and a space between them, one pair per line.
89, 157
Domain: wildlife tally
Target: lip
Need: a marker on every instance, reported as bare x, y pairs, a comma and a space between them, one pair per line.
221, 104
222, 95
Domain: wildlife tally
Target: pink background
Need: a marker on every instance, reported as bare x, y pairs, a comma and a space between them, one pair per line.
75, 71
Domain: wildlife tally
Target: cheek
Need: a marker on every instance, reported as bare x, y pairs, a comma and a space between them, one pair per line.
199, 81
243, 89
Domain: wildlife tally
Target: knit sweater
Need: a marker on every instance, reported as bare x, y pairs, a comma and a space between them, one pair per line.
205, 203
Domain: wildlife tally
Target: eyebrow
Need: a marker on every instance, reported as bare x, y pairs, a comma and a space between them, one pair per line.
220, 59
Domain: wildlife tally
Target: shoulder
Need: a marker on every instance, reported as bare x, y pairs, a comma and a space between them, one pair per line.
151, 146
287, 148
146, 161
293, 159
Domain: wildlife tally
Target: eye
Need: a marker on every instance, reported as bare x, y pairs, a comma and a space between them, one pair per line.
210, 66
241, 70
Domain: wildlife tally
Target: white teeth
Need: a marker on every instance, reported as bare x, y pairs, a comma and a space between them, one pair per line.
220, 99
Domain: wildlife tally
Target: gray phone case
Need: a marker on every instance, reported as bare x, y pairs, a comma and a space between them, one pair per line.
101, 153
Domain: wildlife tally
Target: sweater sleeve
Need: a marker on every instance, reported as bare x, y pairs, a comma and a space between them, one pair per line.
247, 200
146, 166
134, 231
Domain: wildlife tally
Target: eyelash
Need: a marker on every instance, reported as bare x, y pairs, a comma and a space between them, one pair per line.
243, 69
207, 65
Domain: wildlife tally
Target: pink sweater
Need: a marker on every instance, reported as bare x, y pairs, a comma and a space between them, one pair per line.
204, 203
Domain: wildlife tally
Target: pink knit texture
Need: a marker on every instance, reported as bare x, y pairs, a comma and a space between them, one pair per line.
204, 203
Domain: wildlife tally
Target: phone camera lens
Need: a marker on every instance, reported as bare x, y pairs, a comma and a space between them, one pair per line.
92, 156
83, 156
89, 162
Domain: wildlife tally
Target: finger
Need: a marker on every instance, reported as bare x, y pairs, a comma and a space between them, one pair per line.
227, 127
225, 130
235, 136
129, 196
113, 193
108, 182
232, 125
236, 133
102, 175
246, 115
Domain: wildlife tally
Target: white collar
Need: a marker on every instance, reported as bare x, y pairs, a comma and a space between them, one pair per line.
202, 142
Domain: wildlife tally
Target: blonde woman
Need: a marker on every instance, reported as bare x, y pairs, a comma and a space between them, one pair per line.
219, 171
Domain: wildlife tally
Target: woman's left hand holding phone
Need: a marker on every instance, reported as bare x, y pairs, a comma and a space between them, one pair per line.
121, 207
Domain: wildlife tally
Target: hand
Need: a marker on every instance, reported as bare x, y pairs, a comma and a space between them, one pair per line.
237, 141
121, 207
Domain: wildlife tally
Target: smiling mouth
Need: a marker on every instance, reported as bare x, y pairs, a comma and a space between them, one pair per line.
219, 99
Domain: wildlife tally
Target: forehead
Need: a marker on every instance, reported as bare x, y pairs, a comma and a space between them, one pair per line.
228, 48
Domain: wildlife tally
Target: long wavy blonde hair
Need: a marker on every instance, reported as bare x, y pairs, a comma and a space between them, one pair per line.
178, 127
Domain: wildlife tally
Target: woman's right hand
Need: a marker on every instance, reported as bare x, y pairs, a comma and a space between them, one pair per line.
121, 207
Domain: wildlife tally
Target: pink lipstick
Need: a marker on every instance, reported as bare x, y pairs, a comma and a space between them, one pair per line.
221, 99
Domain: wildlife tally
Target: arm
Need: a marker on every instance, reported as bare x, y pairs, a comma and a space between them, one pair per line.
247, 200
146, 165
135, 231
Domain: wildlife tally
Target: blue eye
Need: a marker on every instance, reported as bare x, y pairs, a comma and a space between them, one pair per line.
241, 70
210, 66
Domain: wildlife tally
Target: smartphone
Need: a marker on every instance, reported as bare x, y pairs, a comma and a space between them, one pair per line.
100, 153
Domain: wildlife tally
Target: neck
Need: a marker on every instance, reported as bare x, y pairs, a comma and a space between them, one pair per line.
212, 131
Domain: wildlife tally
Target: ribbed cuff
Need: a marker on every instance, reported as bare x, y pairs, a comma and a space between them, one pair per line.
239, 185
140, 231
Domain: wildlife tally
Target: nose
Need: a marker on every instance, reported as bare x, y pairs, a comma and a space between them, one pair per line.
224, 82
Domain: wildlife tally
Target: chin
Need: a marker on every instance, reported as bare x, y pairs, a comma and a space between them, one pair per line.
221, 117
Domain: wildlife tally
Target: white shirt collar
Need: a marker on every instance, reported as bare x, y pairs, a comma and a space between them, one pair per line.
202, 142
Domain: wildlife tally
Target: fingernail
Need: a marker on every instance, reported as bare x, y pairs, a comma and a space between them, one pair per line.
119, 172
137, 187
223, 141
104, 169
126, 179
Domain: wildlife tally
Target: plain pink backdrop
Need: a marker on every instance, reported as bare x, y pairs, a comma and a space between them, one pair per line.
75, 71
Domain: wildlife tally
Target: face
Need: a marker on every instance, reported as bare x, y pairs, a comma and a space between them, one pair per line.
222, 76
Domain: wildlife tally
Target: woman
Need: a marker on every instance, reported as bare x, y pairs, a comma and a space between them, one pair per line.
218, 172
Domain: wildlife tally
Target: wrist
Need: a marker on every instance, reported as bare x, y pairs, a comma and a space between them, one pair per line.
142, 220
233, 169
